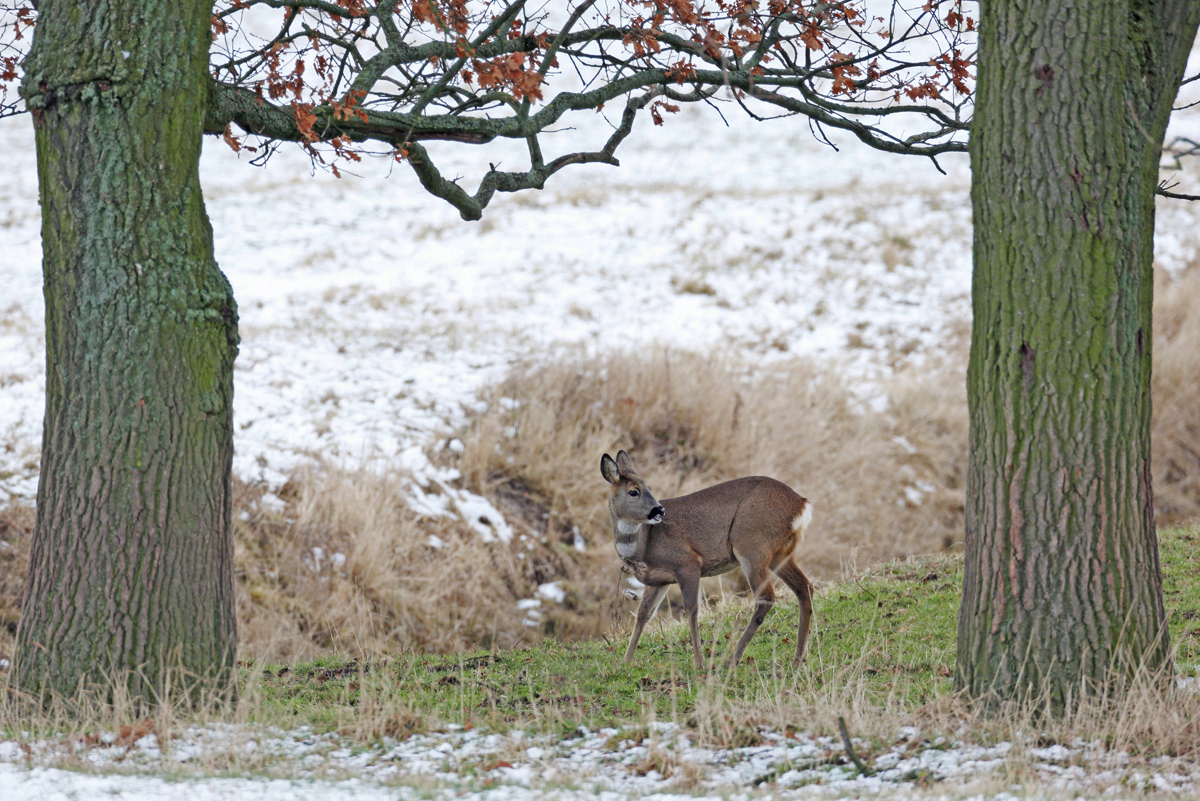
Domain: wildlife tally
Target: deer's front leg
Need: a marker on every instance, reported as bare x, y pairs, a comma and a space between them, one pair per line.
651, 598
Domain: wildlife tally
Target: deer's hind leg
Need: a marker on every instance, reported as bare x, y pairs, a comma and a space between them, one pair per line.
759, 578
794, 577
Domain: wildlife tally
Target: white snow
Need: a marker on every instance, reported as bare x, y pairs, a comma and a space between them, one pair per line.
371, 314
606, 764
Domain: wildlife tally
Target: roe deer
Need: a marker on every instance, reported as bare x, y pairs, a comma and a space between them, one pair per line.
754, 522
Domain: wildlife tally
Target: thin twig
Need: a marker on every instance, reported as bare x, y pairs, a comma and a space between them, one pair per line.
1175, 195
858, 763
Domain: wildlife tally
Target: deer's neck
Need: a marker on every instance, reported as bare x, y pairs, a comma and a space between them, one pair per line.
625, 537
627, 529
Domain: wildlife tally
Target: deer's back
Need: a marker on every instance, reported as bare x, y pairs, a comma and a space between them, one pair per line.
742, 513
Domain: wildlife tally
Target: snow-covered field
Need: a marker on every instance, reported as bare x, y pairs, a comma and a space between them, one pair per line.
606, 764
371, 313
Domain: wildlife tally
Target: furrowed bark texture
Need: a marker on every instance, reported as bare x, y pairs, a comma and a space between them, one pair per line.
1063, 591
131, 566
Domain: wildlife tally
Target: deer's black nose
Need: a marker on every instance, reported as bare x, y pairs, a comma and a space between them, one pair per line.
656, 514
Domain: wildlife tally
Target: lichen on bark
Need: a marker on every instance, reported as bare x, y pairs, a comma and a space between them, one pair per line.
131, 565
1062, 590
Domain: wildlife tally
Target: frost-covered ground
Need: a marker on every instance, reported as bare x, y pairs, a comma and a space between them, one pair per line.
605, 764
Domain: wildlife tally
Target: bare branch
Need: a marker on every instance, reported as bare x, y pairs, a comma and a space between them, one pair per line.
1164, 190
1175, 195
470, 207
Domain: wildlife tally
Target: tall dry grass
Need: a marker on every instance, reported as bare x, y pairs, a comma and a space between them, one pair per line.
1175, 431
395, 590
16, 535
884, 483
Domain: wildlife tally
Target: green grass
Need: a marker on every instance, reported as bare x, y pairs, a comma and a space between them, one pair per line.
894, 626
1180, 552
885, 639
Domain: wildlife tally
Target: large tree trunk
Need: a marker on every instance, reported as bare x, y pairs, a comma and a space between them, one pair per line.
1063, 590
131, 567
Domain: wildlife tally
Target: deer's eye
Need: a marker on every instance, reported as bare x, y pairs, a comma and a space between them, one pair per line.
634, 493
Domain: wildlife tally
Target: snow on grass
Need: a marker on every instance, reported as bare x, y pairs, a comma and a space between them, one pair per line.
642, 762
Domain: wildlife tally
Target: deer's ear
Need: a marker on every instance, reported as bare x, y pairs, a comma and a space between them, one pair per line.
608, 469
625, 465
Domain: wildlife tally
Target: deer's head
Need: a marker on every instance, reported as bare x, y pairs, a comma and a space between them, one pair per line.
631, 502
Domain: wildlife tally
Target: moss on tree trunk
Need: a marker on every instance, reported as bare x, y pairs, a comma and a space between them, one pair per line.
1063, 590
131, 565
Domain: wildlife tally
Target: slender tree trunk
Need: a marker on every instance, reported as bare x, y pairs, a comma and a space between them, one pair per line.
131, 567
1063, 590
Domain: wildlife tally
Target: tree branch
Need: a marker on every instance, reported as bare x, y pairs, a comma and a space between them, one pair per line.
470, 207
253, 114
473, 73
1174, 195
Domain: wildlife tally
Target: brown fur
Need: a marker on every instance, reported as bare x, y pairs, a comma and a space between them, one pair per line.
748, 522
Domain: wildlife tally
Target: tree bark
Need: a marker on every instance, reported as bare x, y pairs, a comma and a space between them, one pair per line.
131, 565
1062, 593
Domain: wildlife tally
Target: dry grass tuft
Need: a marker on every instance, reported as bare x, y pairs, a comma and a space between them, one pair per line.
16, 536
394, 591
1146, 727
105, 714
1176, 396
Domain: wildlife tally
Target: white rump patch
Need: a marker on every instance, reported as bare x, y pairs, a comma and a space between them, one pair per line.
801, 521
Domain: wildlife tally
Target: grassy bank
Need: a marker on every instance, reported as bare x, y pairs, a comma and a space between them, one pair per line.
883, 639
882, 655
